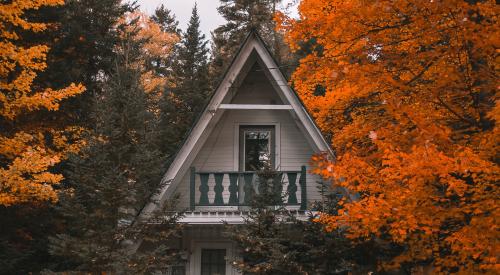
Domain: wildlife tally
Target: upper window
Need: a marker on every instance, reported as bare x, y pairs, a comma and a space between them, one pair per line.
256, 147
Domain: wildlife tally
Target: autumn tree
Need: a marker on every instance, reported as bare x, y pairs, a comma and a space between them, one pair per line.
78, 39
408, 90
116, 173
157, 44
81, 37
28, 150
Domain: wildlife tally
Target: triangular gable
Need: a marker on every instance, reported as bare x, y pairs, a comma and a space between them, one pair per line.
253, 50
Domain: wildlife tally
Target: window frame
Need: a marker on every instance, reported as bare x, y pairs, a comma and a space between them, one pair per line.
222, 264
242, 146
195, 258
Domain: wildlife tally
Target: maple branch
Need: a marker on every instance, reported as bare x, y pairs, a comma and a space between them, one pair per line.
425, 69
447, 107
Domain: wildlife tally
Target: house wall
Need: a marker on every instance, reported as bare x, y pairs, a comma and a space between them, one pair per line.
196, 238
255, 89
220, 151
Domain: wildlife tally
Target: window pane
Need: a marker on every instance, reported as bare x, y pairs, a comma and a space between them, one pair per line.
178, 270
257, 149
213, 262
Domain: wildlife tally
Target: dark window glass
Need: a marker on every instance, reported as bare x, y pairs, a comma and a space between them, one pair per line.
213, 262
258, 151
178, 270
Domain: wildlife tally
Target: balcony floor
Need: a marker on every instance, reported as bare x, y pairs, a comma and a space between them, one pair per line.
228, 216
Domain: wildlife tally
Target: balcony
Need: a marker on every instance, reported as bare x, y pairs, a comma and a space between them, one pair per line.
233, 189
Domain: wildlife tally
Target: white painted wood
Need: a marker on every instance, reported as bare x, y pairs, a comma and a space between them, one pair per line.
305, 122
255, 107
198, 245
230, 217
197, 150
250, 122
221, 150
199, 132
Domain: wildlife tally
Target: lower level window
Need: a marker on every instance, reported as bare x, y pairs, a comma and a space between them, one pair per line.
178, 270
213, 262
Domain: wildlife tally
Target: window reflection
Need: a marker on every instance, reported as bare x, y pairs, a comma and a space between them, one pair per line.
257, 149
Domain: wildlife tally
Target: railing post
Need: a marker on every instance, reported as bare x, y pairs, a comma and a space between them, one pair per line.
204, 188
233, 188
248, 188
192, 187
303, 188
292, 188
218, 189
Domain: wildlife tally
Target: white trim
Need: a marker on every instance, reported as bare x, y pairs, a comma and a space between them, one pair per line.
255, 107
198, 245
212, 114
277, 141
211, 217
305, 122
199, 132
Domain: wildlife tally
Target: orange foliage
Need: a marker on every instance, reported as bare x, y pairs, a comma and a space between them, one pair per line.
411, 101
24, 151
158, 45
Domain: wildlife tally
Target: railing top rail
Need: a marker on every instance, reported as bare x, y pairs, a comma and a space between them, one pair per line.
244, 172
245, 179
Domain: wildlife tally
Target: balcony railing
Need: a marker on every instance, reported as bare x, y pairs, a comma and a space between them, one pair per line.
232, 188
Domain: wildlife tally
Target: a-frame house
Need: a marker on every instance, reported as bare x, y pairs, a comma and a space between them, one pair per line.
253, 118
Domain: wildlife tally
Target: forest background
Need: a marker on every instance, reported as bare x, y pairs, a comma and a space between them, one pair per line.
96, 98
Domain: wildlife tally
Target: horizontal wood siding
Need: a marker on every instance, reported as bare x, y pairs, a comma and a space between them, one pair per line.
256, 89
217, 154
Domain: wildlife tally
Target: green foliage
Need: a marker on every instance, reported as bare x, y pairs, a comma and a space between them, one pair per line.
181, 104
81, 44
23, 238
81, 38
243, 16
274, 241
112, 179
166, 19
163, 66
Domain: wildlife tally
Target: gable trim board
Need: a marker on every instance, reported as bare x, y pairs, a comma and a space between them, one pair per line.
253, 50
254, 107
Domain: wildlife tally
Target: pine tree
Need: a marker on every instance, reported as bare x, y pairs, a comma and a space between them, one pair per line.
243, 16
273, 240
166, 19
112, 179
82, 38
168, 24
182, 103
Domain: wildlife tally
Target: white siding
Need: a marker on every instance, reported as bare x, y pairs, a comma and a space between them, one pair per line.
219, 153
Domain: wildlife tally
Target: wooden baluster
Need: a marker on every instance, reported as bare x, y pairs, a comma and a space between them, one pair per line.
218, 189
204, 188
192, 186
303, 188
233, 188
248, 188
292, 188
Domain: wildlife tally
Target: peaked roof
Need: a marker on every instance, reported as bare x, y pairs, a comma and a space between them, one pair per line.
252, 50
